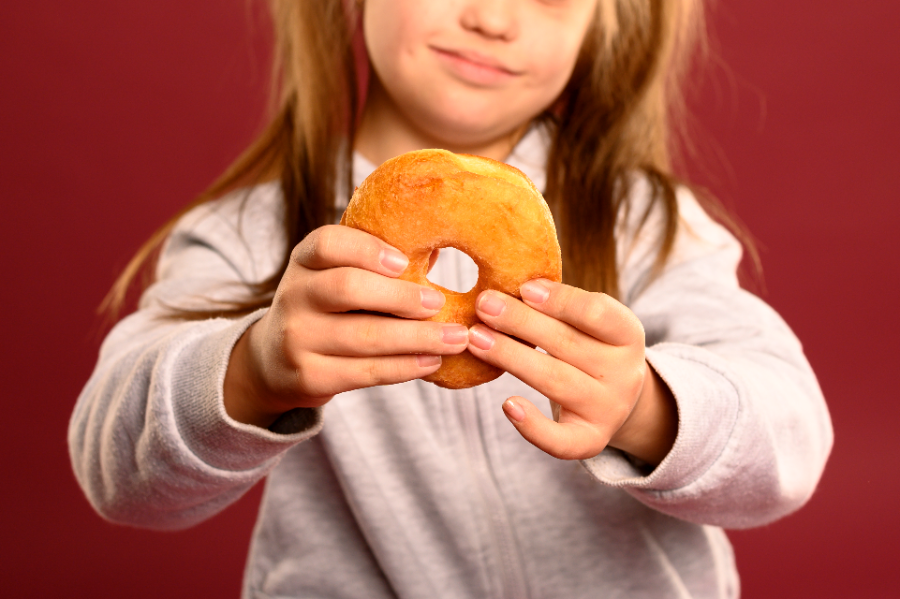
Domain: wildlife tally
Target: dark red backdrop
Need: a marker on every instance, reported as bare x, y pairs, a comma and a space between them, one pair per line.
113, 114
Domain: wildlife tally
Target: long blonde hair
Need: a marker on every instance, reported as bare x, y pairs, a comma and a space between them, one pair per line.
618, 115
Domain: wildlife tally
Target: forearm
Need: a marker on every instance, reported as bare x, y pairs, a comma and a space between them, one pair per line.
753, 429
150, 442
754, 435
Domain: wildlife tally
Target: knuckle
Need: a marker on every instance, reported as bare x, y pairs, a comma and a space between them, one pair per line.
295, 354
567, 342
381, 372
397, 297
327, 241
307, 377
555, 380
309, 288
300, 252
367, 334
305, 251
340, 283
594, 309
301, 367
280, 301
638, 334
392, 290
566, 298
391, 294
419, 335
518, 316
372, 373
321, 245
315, 384
289, 337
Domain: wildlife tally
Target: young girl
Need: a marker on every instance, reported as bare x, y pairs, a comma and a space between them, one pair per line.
685, 404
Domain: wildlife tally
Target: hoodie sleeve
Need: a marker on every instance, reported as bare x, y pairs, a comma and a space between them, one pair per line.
754, 431
149, 439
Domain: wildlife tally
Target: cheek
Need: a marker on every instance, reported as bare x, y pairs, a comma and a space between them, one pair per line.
552, 67
554, 42
388, 28
395, 30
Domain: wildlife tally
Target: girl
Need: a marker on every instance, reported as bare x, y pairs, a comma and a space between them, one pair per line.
686, 401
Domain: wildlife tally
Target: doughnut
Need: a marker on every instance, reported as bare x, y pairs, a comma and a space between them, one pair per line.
429, 199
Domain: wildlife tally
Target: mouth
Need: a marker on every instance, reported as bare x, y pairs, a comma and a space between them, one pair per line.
474, 67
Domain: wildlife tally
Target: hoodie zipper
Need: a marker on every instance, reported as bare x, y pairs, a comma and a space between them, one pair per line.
511, 572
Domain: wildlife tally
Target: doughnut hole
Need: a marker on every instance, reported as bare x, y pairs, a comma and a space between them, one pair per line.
454, 270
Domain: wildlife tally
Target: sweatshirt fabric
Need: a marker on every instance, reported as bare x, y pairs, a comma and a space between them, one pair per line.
414, 491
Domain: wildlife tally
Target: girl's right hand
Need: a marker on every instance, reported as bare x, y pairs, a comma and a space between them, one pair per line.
310, 346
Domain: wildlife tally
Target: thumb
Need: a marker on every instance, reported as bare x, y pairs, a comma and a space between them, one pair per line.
566, 441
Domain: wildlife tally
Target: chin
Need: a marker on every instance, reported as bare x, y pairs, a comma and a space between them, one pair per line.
470, 128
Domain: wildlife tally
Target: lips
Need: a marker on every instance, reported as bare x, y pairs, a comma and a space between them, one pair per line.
474, 67
478, 59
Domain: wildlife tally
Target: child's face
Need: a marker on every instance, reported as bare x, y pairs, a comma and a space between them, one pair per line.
466, 72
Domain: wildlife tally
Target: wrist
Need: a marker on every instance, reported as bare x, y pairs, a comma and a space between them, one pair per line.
242, 394
650, 430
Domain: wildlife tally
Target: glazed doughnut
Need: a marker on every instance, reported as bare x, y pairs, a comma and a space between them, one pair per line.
430, 199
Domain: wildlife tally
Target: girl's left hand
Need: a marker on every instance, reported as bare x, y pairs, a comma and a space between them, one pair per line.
602, 390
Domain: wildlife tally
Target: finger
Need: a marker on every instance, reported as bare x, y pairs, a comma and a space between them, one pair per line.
566, 441
324, 376
336, 245
507, 314
572, 388
367, 335
596, 314
345, 289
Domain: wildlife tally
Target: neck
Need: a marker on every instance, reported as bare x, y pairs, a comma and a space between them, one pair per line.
385, 132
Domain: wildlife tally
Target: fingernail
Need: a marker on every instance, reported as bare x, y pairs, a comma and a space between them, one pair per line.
490, 304
454, 334
481, 338
535, 292
432, 299
513, 411
425, 361
393, 260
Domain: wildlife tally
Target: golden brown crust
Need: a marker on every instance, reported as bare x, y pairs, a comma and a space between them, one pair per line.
429, 199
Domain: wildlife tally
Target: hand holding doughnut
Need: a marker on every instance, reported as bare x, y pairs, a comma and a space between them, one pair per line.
602, 390
422, 201
327, 330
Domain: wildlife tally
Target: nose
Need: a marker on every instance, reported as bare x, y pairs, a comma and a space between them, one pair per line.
495, 19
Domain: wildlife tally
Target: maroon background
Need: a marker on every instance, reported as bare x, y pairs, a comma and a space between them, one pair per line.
113, 114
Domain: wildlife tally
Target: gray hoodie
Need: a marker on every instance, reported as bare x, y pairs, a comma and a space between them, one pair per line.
415, 491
